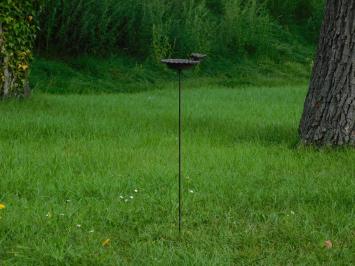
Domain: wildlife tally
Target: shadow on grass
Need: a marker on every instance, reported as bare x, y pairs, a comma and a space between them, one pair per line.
230, 133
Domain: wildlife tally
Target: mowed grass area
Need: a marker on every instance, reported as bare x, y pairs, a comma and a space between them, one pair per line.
70, 164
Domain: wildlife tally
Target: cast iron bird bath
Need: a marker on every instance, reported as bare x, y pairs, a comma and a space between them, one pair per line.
179, 65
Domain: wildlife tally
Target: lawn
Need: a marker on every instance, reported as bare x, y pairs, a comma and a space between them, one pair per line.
92, 180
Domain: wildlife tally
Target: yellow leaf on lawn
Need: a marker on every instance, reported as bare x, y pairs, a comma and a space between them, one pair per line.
106, 242
2, 206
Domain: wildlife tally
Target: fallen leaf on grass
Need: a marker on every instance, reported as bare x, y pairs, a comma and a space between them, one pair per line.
2, 206
106, 242
328, 244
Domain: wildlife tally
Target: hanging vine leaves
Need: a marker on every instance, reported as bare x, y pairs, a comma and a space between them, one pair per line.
18, 28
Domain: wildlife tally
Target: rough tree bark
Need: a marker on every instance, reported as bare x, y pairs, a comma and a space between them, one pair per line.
9, 79
329, 109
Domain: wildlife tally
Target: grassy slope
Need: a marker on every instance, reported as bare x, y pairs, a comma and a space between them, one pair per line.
258, 198
122, 74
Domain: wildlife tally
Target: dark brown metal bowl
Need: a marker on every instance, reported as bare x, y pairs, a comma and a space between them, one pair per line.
180, 64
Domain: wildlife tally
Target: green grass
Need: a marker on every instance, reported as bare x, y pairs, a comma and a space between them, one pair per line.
258, 197
88, 74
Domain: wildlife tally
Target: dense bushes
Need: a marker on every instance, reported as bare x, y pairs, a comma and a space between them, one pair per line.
158, 28
245, 28
142, 28
307, 13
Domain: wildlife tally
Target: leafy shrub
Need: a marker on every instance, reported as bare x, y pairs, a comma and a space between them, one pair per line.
306, 13
246, 28
160, 28
17, 34
143, 28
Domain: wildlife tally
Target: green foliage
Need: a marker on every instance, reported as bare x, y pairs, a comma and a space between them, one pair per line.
196, 29
246, 41
143, 28
18, 29
80, 26
257, 198
96, 75
246, 28
306, 13
159, 28
87, 74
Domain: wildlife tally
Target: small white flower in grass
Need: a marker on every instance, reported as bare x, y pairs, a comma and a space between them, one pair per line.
78, 225
68, 200
136, 190
131, 197
126, 200
49, 215
191, 191
91, 231
292, 212
121, 197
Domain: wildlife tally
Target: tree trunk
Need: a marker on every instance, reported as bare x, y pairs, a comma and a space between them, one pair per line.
9, 80
7, 77
329, 109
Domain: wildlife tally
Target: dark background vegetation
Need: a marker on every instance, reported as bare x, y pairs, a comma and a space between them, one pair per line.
116, 45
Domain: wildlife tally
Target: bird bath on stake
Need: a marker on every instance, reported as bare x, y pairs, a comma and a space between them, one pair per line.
179, 65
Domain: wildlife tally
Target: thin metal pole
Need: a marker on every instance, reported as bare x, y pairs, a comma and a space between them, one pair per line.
180, 142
